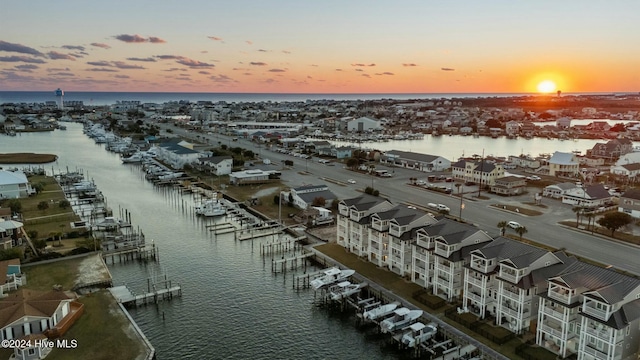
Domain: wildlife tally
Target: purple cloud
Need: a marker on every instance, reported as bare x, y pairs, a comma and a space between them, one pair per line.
123, 65
385, 73
57, 69
194, 64
409, 64
168, 57
131, 38
215, 38
277, 70
101, 45
156, 40
101, 70
122, 76
204, 72
258, 63
73, 47
362, 65
27, 67
18, 58
54, 55
10, 47
142, 59
447, 69
99, 63
221, 79
63, 74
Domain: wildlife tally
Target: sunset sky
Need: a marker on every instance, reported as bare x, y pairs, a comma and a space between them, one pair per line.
329, 46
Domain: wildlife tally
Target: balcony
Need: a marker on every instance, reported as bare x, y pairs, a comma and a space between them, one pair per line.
343, 210
511, 295
425, 244
603, 334
565, 296
555, 331
511, 277
475, 297
556, 313
422, 257
597, 353
590, 310
514, 313
475, 281
380, 225
480, 266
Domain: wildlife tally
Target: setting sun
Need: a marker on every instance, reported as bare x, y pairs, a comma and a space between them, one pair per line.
546, 86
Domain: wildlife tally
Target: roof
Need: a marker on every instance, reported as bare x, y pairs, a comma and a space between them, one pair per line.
520, 254
215, 159
412, 156
12, 177
452, 232
562, 158
310, 187
309, 197
25, 302
632, 167
632, 194
364, 202
484, 166
564, 186
597, 191
605, 283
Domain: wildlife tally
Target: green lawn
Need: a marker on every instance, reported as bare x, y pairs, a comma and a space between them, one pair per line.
43, 277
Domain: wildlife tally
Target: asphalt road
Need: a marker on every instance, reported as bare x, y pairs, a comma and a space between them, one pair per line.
543, 229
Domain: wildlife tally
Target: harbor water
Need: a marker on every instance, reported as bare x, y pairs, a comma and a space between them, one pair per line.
232, 306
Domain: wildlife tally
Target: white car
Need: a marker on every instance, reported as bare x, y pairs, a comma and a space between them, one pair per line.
513, 224
351, 181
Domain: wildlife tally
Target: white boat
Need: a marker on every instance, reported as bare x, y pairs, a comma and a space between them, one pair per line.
135, 158
331, 276
401, 318
344, 289
419, 333
211, 208
379, 312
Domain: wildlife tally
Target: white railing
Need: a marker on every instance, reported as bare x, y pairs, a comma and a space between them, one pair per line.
595, 353
425, 244
477, 265
475, 297
552, 331
604, 334
476, 282
590, 310
510, 295
512, 278
556, 314
560, 296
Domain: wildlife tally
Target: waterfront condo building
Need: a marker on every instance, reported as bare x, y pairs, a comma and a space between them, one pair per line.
354, 219
392, 234
453, 241
590, 312
499, 281
481, 172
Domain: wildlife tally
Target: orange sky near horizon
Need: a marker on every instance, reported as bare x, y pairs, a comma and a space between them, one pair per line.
328, 47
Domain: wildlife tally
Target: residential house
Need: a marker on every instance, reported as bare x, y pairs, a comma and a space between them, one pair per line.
255, 176
564, 164
417, 161
219, 165
629, 203
509, 185
321, 147
591, 313
453, 242
26, 312
14, 184
629, 171
10, 233
590, 197
391, 235
354, 219
482, 172
305, 196
611, 150
524, 161
177, 153
557, 191
363, 124
343, 152
512, 128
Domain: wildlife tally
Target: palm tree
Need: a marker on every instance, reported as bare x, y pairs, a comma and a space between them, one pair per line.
521, 231
578, 211
590, 215
503, 227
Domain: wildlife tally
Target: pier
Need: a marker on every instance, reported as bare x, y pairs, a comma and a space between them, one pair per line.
144, 253
292, 263
156, 291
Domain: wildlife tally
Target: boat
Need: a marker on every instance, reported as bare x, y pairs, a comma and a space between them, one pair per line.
344, 289
419, 333
135, 158
380, 312
211, 208
401, 318
331, 276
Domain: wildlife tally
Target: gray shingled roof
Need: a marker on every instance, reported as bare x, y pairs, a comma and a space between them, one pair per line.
413, 156
520, 254
451, 231
364, 202
562, 158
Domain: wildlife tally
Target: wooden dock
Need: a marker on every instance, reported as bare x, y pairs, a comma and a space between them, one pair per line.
144, 253
127, 297
281, 265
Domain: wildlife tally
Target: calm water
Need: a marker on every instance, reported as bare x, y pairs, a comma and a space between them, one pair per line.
232, 306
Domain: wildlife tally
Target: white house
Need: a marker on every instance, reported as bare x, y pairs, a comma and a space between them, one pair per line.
14, 184
564, 164
219, 165
592, 196
556, 191
177, 153
417, 161
304, 196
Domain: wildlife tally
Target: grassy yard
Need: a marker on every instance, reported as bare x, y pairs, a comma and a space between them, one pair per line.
43, 277
102, 332
27, 158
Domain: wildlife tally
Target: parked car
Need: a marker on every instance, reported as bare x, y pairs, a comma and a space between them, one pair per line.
351, 181
442, 207
514, 225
